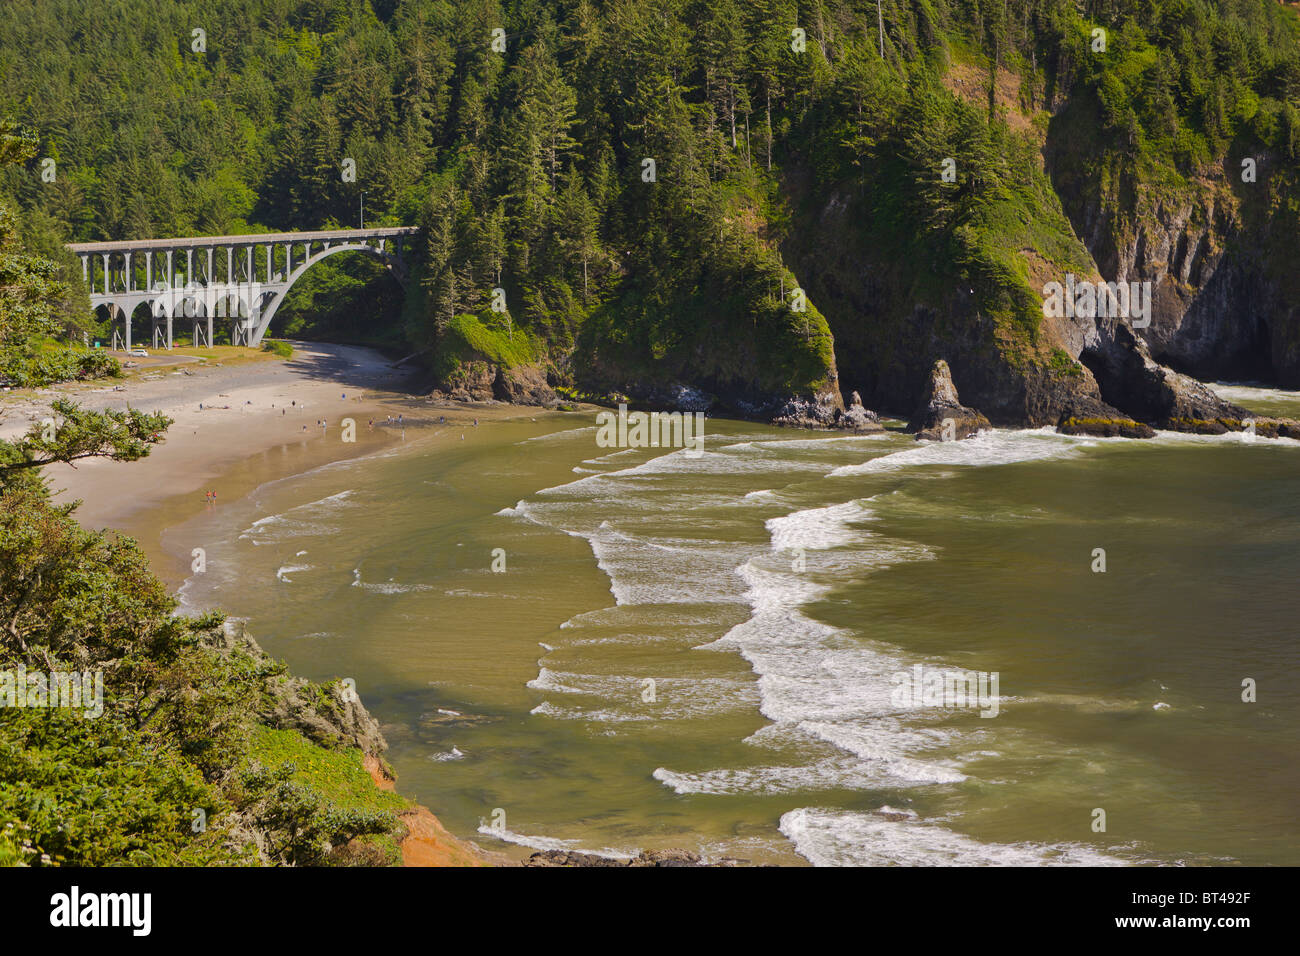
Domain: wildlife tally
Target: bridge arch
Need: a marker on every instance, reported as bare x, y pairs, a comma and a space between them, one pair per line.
392, 262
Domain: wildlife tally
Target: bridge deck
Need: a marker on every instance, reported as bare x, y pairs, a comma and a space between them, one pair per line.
260, 238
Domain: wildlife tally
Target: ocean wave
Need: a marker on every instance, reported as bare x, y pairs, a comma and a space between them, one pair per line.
830, 773
506, 835
1227, 438
834, 441
1242, 393
387, 587
557, 436
818, 528
287, 569
997, 447
828, 837
300, 521
674, 696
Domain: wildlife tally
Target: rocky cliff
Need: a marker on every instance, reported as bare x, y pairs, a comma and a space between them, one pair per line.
1211, 245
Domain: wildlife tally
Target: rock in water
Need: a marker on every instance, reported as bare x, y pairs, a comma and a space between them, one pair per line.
859, 419
824, 412
821, 411
655, 858
1090, 416
941, 416
1130, 379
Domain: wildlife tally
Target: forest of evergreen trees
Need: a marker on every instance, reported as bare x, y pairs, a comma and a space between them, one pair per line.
522, 152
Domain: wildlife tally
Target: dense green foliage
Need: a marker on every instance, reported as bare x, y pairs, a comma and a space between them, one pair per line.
178, 769
36, 301
170, 766
526, 162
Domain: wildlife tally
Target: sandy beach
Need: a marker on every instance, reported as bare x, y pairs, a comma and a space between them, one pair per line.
237, 426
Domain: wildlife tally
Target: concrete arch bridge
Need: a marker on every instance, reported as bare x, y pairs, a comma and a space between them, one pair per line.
239, 279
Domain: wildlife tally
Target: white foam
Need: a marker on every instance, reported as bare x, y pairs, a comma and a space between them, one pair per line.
1227, 438
674, 697
558, 436
835, 441
831, 773
818, 528
987, 448
840, 838
387, 587
303, 520
507, 835
1238, 392
287, 569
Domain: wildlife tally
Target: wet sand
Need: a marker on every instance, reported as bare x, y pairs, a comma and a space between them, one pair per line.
237, 427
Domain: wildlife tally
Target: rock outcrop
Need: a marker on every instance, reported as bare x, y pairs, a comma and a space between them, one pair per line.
524, 385
941, 416
482, 381
1089, 416
826, 412
328, 714
646, 858
1131, 380
469, 382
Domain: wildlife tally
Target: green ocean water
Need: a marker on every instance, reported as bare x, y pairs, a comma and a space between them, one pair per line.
704, 652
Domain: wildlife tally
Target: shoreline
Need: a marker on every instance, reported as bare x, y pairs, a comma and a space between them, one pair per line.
249, 432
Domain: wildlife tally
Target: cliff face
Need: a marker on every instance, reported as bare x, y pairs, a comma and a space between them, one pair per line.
1223, 296
890, 328
1211, 248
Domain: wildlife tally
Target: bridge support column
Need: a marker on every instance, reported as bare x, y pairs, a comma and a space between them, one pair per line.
148, 271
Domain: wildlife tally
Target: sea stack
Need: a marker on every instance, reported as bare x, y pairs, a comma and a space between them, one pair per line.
941, 416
